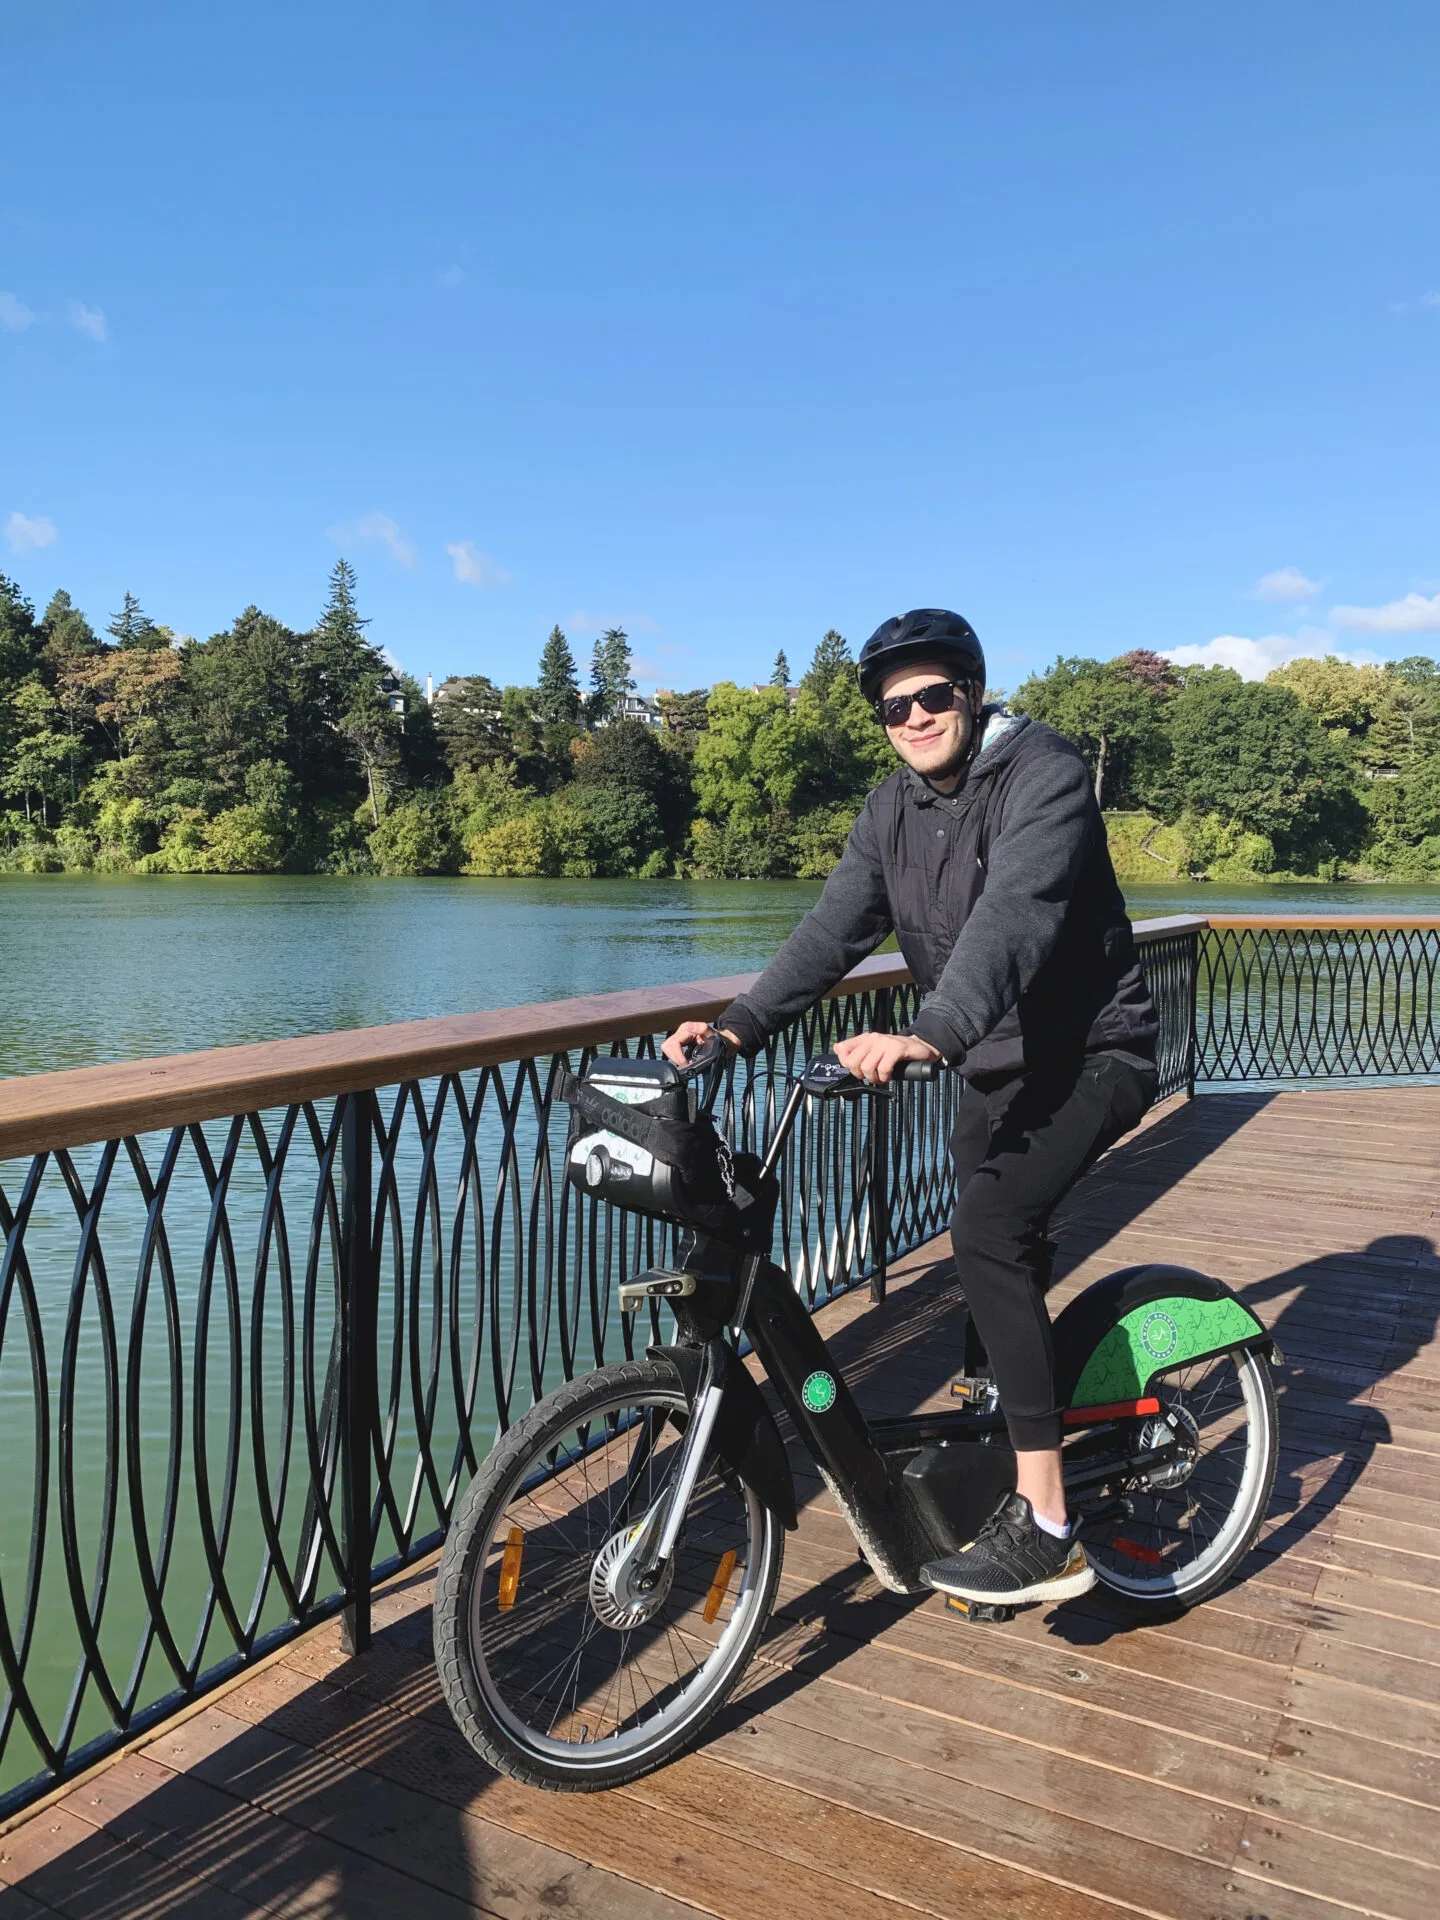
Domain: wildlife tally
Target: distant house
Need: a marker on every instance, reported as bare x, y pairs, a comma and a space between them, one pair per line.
639, 706
792, 694
392, 693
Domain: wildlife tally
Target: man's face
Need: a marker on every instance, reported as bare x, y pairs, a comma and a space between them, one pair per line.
935, 744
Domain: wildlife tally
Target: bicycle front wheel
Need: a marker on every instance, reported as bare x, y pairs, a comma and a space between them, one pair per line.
555, 1671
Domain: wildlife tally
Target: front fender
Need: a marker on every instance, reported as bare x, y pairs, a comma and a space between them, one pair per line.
1113, 1340
746, 1436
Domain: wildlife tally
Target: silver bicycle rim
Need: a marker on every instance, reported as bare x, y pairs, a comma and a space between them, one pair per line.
1251, 1482
635, 1743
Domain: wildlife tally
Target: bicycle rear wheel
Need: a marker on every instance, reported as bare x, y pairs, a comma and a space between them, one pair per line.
1184, 1528
555, 1672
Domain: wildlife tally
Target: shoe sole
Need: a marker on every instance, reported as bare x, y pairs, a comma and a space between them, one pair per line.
1067, 1586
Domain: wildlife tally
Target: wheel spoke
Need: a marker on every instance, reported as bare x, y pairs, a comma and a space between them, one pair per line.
573, 1666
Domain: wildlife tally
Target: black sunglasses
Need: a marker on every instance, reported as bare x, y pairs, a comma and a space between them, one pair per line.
938, 697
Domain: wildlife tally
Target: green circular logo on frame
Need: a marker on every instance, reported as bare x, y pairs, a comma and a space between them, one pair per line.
1159, 1336
818, 1392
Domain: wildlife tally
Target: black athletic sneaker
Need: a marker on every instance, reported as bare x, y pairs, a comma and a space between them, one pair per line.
1012, 1562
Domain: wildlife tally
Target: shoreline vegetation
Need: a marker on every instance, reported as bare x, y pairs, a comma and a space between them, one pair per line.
267, 750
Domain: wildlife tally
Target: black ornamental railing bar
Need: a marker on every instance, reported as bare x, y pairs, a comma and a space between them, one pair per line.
248, 1360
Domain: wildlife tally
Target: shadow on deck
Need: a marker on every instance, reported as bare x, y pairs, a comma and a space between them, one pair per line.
1275, 1753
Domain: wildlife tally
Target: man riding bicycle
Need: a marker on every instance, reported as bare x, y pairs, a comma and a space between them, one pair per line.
985, 855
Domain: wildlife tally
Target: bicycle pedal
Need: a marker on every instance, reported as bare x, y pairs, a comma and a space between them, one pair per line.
978, 1610
976, 1390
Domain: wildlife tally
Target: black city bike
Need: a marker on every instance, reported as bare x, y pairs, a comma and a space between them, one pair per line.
611, 1568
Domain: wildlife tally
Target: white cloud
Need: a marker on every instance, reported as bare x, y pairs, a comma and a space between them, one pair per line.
374, 526
1413, 614
1430, 300
26, 532
1253, 659
474, 568
15, 316
87, 320
1286, 583
453, 276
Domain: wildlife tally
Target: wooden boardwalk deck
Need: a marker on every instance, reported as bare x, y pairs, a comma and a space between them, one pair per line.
1275, 1754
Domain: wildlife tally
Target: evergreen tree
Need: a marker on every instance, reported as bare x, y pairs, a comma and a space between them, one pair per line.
132, 627
831, 659
348, 669
610, 677
557, 697
684, 714
19, 638
780, 673
67, 634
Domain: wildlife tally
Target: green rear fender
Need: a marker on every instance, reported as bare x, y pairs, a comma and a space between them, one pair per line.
1118, 1335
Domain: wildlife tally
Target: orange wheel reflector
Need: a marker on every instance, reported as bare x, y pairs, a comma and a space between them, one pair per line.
716, 1596
510, 1568
1133, 1550
1113, 1410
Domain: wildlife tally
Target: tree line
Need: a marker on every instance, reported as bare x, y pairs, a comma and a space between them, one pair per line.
1323, 770
264, 749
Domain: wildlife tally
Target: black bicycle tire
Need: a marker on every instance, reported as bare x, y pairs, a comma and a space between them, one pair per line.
470, 1528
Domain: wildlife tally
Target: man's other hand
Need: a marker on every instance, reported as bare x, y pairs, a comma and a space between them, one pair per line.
690, 1033
875, 1056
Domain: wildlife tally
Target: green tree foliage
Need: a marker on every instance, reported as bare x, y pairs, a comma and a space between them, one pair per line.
20, 639
686, 715
133, 627
1115, 714
267, 749
830, 660
557, 690
468, 719
610, 677
780, 672
1251, 753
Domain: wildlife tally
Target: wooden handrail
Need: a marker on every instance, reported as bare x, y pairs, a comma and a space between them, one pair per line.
40, 1112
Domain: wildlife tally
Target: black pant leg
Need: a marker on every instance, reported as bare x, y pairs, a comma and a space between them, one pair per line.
1040, 1134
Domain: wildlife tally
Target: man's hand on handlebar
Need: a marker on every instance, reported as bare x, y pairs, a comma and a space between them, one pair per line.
690, 1033
875, 1056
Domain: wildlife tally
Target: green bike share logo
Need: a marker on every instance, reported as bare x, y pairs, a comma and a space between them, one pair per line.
1159, 1335
818, 1392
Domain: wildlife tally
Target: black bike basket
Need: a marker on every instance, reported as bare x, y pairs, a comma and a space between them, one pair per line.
637, 1141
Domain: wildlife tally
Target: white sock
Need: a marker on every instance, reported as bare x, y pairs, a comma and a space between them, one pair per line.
1049, 1526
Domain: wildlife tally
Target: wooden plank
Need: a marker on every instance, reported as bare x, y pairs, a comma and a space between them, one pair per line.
267, 1863
241, 1773
83, 1874
918, 1789
740, 1879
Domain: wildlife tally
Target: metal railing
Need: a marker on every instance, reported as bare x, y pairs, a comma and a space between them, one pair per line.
255, 1340
1309, 999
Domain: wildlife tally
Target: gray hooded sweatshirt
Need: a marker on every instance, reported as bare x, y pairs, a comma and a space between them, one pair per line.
1004, 903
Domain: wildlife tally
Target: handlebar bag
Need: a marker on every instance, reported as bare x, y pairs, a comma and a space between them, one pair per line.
637, 1141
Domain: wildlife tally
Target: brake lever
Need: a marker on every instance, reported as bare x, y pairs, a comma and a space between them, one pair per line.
712, 1056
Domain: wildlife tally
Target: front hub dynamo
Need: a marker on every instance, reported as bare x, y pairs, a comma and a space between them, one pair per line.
616, 1599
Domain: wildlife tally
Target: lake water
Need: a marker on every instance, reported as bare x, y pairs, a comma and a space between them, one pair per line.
99, 968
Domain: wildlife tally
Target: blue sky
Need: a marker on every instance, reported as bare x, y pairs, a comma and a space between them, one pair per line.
729, 324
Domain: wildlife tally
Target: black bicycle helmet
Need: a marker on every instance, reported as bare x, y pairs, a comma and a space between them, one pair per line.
926, 633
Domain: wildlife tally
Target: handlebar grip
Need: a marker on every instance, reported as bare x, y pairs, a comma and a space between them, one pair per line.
922, 1070
701, 1055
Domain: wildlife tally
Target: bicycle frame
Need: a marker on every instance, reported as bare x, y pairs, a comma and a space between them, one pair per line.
912, 1489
